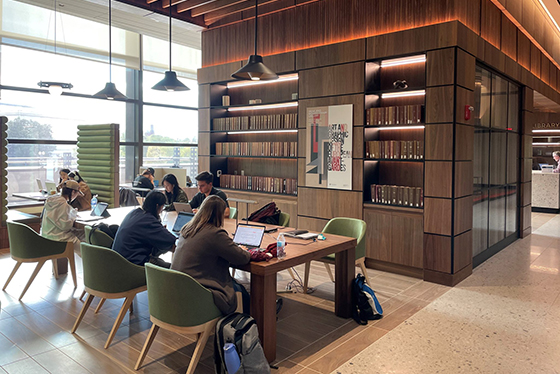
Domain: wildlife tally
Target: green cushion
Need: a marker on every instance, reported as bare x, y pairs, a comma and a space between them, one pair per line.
26, 243
284, 219
176, 298
98, 238
352, 227
232, 213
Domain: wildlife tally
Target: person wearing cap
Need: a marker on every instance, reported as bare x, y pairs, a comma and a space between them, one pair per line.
84, 188
145, 180
204, 182
77, 200
58, 218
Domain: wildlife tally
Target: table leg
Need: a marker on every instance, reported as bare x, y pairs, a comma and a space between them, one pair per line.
263, 310
344, 274
62, 265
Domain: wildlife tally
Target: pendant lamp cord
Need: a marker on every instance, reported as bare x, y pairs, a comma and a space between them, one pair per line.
170, 35
110, 50
256, 22
55, 27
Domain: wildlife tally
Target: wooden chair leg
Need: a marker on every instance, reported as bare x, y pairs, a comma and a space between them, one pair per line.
18, 264
328, 267
306, 276
101, 302
55, 268
362, 264
82, 295
72, 262
200, 343
291, 272
147, 345
131, 309
116, 325
82, 313
35, 272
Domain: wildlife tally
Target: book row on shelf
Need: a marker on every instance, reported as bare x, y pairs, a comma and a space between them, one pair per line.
266, 149
397, 195
395, 149
260, 122
261, 184
394, 115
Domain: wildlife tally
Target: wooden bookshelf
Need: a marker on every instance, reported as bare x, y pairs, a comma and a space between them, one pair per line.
254, 142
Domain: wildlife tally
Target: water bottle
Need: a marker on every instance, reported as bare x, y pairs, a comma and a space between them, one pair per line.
231, 358
281, 247
93, 202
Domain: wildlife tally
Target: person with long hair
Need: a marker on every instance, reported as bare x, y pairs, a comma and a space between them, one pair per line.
83, 200
58, 218
173, 192
205, 252
141, 237
62, 177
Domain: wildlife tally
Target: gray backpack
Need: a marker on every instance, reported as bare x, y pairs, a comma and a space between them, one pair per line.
241, 330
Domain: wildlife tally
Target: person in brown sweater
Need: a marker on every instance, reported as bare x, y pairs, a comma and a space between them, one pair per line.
205, 252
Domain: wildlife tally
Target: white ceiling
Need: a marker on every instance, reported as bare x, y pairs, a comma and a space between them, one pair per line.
129, 18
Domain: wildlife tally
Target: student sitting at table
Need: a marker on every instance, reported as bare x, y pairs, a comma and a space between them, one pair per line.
84, 188
63, 177
205, 252
141, 237
204, 182
173, 192
58, 216
144, 180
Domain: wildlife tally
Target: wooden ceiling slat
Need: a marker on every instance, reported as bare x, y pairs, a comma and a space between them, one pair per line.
191, 4
220, 4
214, 16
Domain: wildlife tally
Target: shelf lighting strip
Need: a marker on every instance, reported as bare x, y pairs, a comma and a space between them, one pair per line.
392, 95
260, 132
401, 128
264, 106
282, 78
403, 61
545, 144
546, 130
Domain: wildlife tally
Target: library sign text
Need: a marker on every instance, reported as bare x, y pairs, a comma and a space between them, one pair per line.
546, 125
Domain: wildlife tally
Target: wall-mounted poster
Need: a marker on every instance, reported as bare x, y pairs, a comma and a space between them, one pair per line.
329, 147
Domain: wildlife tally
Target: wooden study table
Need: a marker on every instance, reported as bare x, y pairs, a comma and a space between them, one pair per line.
36, 196
263, 274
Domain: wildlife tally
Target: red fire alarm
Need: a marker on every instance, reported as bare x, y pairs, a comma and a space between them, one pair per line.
468, 110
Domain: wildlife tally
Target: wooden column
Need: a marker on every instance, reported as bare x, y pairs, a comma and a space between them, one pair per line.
448, 175
527, 120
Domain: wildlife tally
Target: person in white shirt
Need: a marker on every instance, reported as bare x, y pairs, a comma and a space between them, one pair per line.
556, 156
58, 216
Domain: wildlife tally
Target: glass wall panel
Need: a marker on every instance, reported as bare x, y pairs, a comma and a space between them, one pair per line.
499, 102
170, 125
498, 154
480, 221
511, 214
482, 97
496, 215
172, 157
513, 107
481, 158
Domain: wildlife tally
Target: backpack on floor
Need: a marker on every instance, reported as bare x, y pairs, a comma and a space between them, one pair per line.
267, 214
241, 330
366, 307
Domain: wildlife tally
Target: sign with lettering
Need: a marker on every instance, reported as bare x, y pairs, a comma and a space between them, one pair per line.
546, 126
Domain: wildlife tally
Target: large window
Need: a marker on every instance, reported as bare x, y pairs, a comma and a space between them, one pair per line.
157, 128
495, 163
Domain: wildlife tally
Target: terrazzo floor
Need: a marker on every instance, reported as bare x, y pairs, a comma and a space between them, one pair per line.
504, 318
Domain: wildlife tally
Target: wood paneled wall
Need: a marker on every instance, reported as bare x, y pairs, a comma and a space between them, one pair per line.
448, 176
527, 120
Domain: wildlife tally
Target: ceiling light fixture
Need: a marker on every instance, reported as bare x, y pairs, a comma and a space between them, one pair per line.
401, 128
261, 132
55, 88
110, 91
403, 94
281, 79
263, 106
403, 61
254, 69
170, 82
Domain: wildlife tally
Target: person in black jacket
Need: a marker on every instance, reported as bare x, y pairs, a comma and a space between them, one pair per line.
144, 180
141, 237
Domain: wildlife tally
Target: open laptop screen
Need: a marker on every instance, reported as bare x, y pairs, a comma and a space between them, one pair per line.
182, 219
249, 235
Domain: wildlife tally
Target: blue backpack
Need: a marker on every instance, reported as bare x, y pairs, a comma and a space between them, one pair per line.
366, 307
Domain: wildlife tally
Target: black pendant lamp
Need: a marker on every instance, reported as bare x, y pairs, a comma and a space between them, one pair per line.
170, 81
254, 69
55, 88
110, 91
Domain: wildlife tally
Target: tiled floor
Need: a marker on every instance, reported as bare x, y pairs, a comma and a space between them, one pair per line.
35, 338
504, 318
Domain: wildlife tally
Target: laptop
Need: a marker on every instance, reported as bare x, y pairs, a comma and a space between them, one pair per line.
249, 235
182, 219
50, 186
541, 166
182, 207
40, 185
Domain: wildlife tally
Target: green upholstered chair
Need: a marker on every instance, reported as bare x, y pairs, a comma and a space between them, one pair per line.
352, 227
26, 245
109, 275
179, 303
284, 219
232, 213
99, 238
